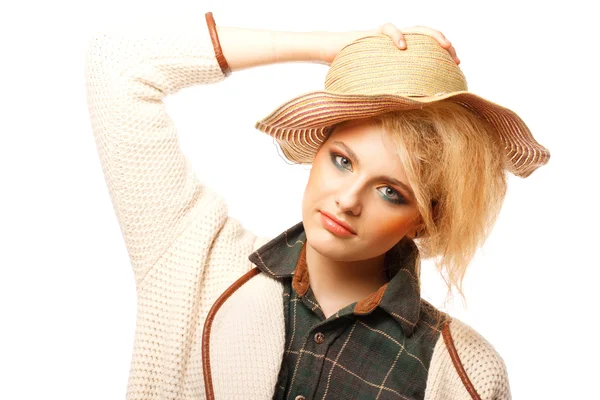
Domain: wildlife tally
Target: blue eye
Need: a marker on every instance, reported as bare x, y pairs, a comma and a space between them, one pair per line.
399, 199
334, 156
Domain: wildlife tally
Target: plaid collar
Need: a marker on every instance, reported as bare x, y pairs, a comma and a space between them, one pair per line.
400, 297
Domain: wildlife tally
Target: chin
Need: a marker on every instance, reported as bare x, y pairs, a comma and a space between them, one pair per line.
327, 244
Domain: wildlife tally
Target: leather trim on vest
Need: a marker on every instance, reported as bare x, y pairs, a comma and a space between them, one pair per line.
208, 387
369, 303
456, 361
301, 282
214, 37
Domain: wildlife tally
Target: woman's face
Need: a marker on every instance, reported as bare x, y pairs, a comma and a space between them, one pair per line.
347, 180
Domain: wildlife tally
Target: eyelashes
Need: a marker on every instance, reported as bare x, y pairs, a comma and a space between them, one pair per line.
399, 200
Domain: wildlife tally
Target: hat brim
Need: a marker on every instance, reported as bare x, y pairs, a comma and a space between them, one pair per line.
301, 124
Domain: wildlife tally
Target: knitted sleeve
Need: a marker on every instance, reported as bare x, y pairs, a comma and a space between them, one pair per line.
483, 365
152, 186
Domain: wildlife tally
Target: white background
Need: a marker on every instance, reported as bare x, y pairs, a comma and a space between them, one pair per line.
67, 294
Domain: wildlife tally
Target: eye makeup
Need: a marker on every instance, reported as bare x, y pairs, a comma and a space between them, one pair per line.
399, 200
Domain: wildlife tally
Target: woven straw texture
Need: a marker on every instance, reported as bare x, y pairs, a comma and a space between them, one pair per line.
371, 76
184, 248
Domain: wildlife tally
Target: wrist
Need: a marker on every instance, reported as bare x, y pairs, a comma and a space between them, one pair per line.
214, 37
329, 44
323, 46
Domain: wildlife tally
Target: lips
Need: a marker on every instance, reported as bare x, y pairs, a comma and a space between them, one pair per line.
337, 221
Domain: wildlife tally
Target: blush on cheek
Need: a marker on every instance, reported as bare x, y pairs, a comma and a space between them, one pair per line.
392, 227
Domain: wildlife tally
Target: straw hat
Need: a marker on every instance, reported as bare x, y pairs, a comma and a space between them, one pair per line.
371, 76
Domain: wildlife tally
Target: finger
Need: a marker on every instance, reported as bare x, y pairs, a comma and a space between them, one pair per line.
437, 35
395, 34
401, 43
452, 52
444, 42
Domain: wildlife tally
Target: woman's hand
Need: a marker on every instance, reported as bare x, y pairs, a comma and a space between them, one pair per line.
333, 47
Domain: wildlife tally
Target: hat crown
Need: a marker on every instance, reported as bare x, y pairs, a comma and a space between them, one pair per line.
374, 65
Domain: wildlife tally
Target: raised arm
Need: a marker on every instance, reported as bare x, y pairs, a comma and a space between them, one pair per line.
130, 69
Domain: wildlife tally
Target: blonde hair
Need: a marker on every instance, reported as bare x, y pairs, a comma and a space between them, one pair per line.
455, 163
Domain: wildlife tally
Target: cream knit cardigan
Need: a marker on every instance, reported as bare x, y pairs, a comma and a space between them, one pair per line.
184, 248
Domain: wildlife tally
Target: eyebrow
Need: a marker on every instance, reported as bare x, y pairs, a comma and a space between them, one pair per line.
395, 181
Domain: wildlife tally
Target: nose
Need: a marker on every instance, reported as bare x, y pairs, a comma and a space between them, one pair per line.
348, 198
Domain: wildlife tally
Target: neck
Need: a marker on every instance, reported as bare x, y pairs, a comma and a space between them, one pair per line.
336, 284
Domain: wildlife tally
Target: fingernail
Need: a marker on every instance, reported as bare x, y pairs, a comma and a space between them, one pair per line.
402, 43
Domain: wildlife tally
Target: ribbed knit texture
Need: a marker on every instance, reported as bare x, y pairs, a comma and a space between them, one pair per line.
184, 248
483, 365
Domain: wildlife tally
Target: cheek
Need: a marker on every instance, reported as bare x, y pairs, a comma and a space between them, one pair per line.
319, 179
391, 227
313, 190
314, 193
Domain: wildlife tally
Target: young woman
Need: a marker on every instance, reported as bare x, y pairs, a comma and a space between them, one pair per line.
406, 164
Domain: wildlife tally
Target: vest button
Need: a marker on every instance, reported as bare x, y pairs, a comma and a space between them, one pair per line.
319, 338
300, 397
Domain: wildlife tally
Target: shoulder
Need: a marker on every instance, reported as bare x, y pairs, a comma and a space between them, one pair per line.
462, 355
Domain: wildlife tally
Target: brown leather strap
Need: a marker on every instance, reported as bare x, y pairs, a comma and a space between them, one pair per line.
208, 387
456, 361
212, 29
